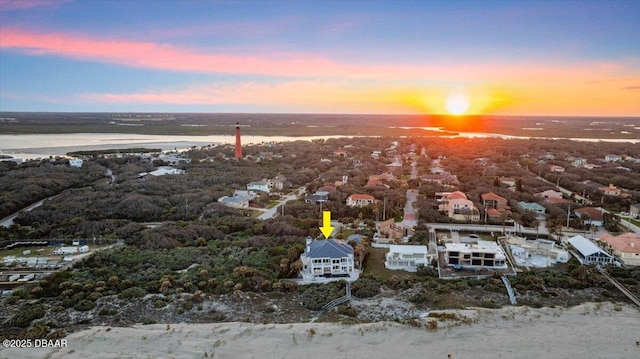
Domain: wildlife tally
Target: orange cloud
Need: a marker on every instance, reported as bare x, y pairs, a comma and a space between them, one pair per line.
320, 96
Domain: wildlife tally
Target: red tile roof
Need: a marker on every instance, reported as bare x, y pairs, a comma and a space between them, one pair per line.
627, 242
492, 196
492, 212
556, 200
593, 213
456, 195
358, 196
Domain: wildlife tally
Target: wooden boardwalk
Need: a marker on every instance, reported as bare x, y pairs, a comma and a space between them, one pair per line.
620, 287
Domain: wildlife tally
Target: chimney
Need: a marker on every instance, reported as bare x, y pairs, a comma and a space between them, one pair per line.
238, 142
633, 245
309, 240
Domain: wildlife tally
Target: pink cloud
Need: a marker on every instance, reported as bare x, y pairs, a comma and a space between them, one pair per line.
151, 55
168, 57
6, 5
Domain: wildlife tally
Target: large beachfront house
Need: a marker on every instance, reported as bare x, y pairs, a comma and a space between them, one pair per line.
589, 253
484, 254
625, 246
327, 258
406, 257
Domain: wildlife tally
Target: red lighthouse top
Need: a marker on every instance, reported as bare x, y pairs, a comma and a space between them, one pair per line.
238, 153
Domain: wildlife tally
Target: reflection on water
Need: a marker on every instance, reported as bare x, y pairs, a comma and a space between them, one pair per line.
44, 145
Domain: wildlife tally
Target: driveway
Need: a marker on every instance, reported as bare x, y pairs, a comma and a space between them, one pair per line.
273, 211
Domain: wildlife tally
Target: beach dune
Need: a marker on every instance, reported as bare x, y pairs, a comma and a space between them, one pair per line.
593, 330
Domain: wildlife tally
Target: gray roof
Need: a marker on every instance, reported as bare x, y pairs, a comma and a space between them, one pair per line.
531, 206
585, 246
330, 248
356, 238
234, 199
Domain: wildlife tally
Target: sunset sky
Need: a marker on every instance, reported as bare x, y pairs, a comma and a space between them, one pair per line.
416, 57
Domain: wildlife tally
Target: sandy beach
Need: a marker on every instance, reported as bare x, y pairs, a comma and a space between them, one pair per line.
586, 331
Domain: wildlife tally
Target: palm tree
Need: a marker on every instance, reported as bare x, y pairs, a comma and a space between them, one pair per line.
536, 224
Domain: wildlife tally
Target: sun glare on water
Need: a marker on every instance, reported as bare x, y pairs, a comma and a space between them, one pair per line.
457, 104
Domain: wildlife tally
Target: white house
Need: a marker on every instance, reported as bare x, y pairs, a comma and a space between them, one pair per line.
360, 200
589, 252
66, 250
262, 186
578, 162
484, 254
162, 171
327, 258
549, 194
612, 158
406, 257
75, 162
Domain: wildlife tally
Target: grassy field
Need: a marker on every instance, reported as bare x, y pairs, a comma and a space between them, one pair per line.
375, 264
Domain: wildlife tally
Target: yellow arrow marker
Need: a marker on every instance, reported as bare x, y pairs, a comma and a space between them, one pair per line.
326, 228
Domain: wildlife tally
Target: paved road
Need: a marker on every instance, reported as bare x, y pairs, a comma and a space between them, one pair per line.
565, 191
414, 169
8, 221
273, 211
485, 228
410, 212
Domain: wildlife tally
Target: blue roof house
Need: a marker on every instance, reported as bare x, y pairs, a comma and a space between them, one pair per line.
330, 258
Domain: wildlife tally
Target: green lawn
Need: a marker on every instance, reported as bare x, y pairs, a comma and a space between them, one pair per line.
375, 264
636, 222
46, 250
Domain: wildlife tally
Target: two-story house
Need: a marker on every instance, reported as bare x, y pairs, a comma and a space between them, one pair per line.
406, 257
327, 258
458, 207
496, 207
484, 254
625, 246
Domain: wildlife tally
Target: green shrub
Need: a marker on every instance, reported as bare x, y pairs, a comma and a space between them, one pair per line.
314, 298
348, 310
38, 331
26, 314
159, 303
104, 312
133, 292
84, 305
365, 288
423, 270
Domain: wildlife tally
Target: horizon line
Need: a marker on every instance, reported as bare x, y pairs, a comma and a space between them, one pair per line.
320, 113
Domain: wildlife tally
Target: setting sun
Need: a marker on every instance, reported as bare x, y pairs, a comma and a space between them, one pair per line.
457, 104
